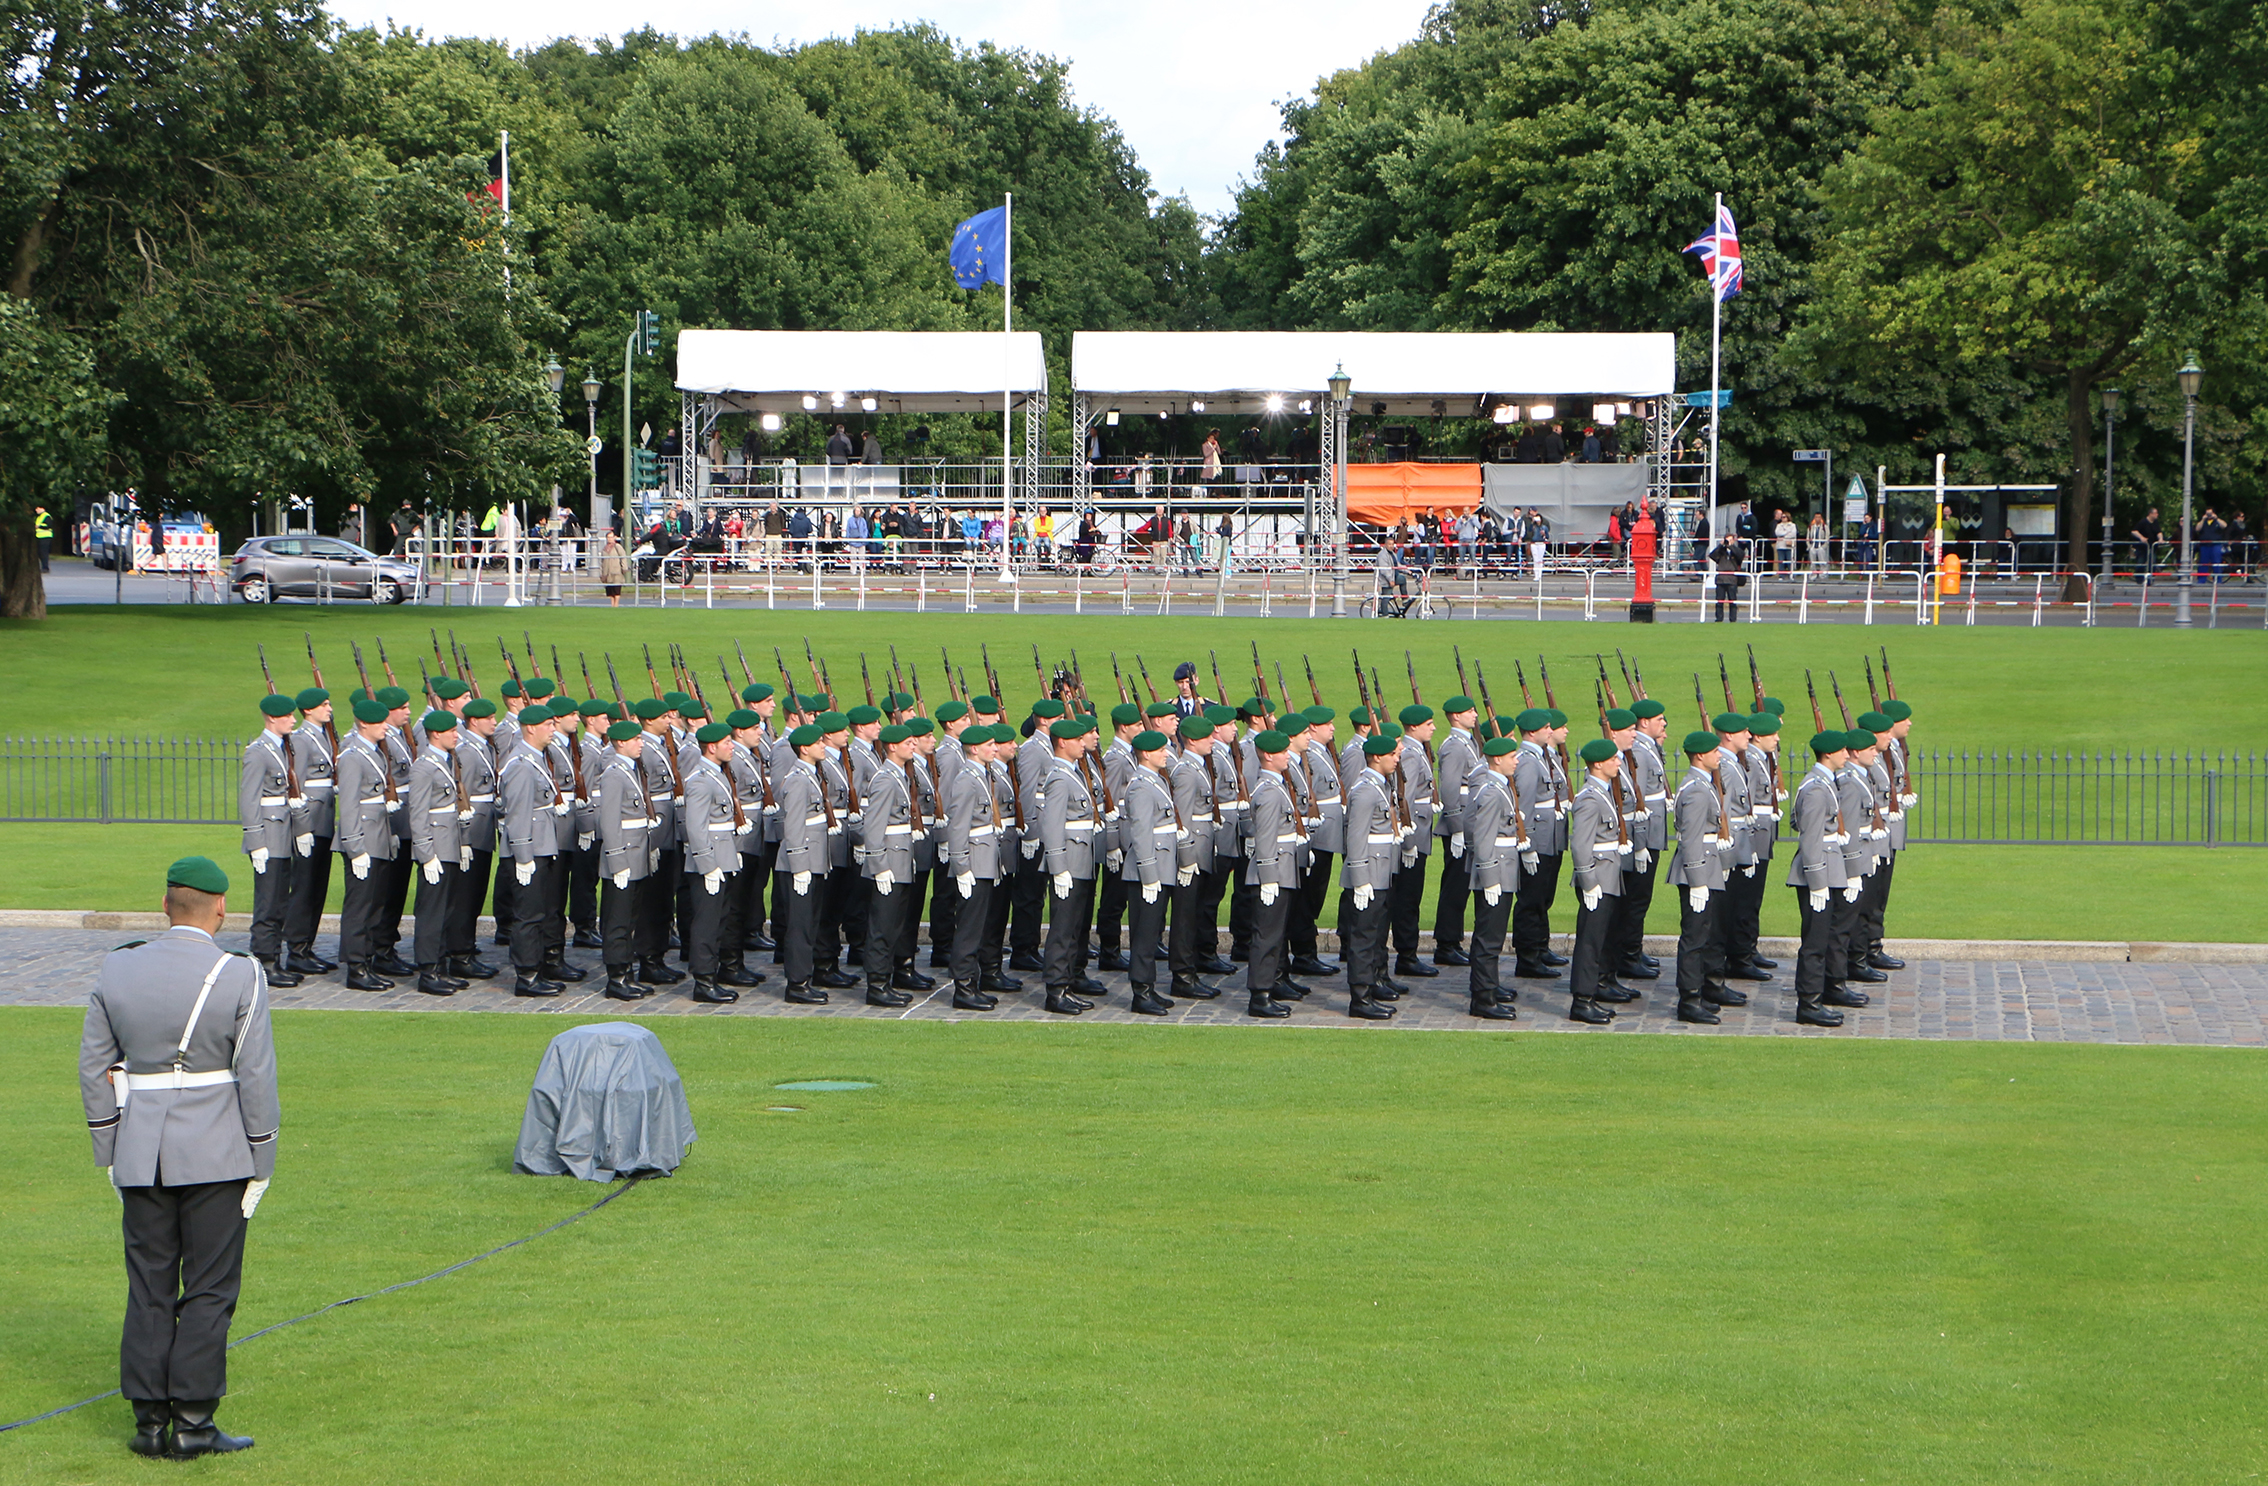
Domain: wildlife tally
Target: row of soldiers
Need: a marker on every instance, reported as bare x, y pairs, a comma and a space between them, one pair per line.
1049, 848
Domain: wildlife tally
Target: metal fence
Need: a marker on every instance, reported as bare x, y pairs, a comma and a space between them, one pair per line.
2019, 798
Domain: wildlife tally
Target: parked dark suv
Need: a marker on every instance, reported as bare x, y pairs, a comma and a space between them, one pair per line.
307, 566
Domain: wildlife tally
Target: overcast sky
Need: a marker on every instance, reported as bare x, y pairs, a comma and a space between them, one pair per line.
1194, 85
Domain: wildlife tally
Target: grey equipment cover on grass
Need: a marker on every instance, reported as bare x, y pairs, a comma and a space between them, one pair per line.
607, 1102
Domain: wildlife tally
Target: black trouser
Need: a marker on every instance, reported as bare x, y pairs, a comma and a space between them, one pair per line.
618, 924
436, 906
909, 922
1728, 603
1307, 912
1593, 928
1264, 964
1065, 952
1842, 930
507, 897
797, 917
887, 915
464, 908
1637, 902
1486, 981
742, 891
271, 905
362, 899
1182, 948
1027, 896
1205, 912
1403, 901
582, 886
1449, 907
1362, 942
756, 869
996, 921
1531, 913
535, 933
310, 889
703, 933
1144, 923
388, 929
970, 918
1874, 899
1701, 954
944, 915
834, 895
1818, 938
1112, 912
184, 1266
652, 898
1241, 896
681, 902
857, 898
1744, 906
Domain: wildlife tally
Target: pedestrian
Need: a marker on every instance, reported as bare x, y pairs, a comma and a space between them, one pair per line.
1538, 537
1815, 540
1224, 533
1211, 465
1494, 833
1783, 542
2145, 534
613, 569
1541, 788
1592, 452
1555, 446
1278, 851
350, 527
839, 447
1706, 846
1070, 824
177, 1072
404, 524
1726, 576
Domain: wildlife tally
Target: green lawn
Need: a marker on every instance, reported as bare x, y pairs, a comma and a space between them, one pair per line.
1039, 1253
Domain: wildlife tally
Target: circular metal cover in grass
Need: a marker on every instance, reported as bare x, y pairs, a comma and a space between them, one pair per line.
827, 1085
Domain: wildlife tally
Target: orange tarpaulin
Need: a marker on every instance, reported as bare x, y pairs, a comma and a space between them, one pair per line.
1388, 494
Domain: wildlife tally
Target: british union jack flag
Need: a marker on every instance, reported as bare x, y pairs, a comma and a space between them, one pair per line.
1720, 253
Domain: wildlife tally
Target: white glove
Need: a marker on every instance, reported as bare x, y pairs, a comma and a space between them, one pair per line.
259, 859
432, 870
1456, 846
360, 864
1031, 848
254, 1190
1642, 860
802, 882
882, 882
1492, 895
712, 881
1063, 884
1409, 858
305, 843
966, 882
653, 859
107, 1177
1115, 860
1183, 876
1850, 894
1699, 898
1726, 844
1267, 895
464, 857
524, 872
1150, 892
1622, 848
583, 840
1819, 900
1362, 896
622, 880
1531, 862
1591, 898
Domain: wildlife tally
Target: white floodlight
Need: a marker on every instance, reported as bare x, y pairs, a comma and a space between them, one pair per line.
810, 403
867, 404
1541, 410
1275, 402
1197, 405
770, 422
1505, 412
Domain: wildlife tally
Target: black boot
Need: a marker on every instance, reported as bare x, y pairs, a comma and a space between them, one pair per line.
1191, 989
1310, 965
1650, 962
278, 977
1637, 970
555, 967
1842, 995
656, 973
432, 984
1811, 1013
1147, 1002
1615, 993
392, 963
910, 979
360, 978
1582, 1010
803, 994
194, 1432
1287, 990
301, 959
1882, 959
1451, 956
1763, 964
1113, 959
1214, 965
1387, 990
1261, 1005
833, 979
759, 941
1747, 970
619, 986
973, 1001
1534, 970
1027, 960
1552, 957
734, 971
1414, 967
1861, 971
1367, 1009
1717, 993
587, 939
153, 1419
528, 983
1001, 985
880, 994
1063, 1003
471, 967
1695, 1009
709, 992
1489, 1009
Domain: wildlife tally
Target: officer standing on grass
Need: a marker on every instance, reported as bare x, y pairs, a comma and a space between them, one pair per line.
267, 793
1070, 826
1598, 840
1706, 846
437, 846
1492, 853
808, 829
1150, 859
315, 748
1881, 773
530, 796
1817, 874
1536, 781
1366, 877
178, 1074
625, 819
368, 803
974, 832
1279, 850
476, 762
1460, 756
1900, 761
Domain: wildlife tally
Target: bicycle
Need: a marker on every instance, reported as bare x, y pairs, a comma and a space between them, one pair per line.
1388, 604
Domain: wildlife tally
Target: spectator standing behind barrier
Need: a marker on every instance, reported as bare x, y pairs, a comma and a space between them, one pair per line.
800, 534
1224, 535
1725, 559
1043, 535
2145, 534
854, 538
1539, 538
1212, 460
1555, 446
839, 446
2212, 543
1700, 537
1783, 542
1815, 537
870, 449
350, 529
2243, 546
1468, 542
404, 522
1592, 452
612, 569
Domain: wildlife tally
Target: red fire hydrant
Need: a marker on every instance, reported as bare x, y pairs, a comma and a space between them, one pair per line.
1642, 552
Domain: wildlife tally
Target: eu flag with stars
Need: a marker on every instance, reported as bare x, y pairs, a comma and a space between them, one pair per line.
980, 249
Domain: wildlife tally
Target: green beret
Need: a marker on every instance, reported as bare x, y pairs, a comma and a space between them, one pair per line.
1498, 747
1486, 728
1194, 726
1506, 726
1873, 722
513, 689
1125, 714
810, 706
711, 732
986, 705
1828, 742
278, 704
1416, 713
1860, 738
311, 698
899, 701
1220, 716
1378, 745
1618, 718
1698, 743
1321, 716
1272, 741
440, 720
951, 711
449, 688
480, 707
862, 715
393, 696
805, 736
368, 710
359, 695
678, 701
691, 711
1457, 704
1149, 741
1764, 724
1252, 707
1893, 709
618, 732
597, 707
758, 692
741, 717
989, 733
646, 709
534, 716
563, 705
833, 722
540, 687
1597, 751
1730, 722
918, 727
1774, 706
1161, 709
1389, 729
1065, 727
1647, 708
201, 873
1360, 717
1534, 720
891, 733
1558, 718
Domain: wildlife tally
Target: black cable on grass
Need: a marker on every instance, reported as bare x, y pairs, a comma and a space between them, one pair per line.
626, 1184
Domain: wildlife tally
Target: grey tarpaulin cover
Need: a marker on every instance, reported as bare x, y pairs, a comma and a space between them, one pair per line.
607, 1102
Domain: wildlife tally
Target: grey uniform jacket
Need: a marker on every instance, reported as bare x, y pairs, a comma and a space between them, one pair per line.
1279, 850
1193, 792
712, 836
1893, 826
625, 820
1895, 754
1652, 777
1763, 803
1733, 774
656, 760
974, 824
1374, 842
216, 1131
746, 772
1028, 770
1329, 833
1421, 790
1592, 838
1012, 825
365, 825
806, 844
1232, 816
395, 750
1817, 861
476, 766
263, 798
849, 824
318, 768
529, 797
1703, 859
1147, 827
1492, 846
436, 829
929, 813
1117, 764
1857, 798
1070, 821
1454, 764
765, 759
1350, 764
889, 824
1539, 800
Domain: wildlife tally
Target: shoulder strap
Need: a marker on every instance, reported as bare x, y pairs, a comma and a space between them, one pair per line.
204, 993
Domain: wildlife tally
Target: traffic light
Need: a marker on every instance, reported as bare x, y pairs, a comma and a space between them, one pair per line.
645, 469
649, 332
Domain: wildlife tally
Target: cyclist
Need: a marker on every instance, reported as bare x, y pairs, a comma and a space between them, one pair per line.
1392, 572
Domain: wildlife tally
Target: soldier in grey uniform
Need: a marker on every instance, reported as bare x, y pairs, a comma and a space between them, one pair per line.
1622, 729
315, 748
1366, 878
759, 851
267, 793
1492, 826
1070, 828
1598, 839
1866, 810
437, 815
625, 824
744, 769
1888, 791
1421, 791
1225, 771
1459, 757
178, 1073
861, 755
887, 864
576, 743
532, 809
1759, 765
395, 748
1899, 761
945, 764
808, 830
1117, 768
928, 839
1326, 838
1536, 781
1279, 849
1708, 846
1193, 784
1027, 765
1150, 860
476, 763
1743, 874
1647, 769
368, 803
1016, 828
1818, 875
714, 824
970, 859
665, 797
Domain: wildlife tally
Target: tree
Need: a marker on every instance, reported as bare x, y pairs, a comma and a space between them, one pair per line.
52, 409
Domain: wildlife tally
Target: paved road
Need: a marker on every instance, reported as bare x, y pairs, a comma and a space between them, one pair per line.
1961, 1000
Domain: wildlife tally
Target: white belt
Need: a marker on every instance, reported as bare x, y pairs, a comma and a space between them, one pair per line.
442, 810
373, 800
1205, 818
480, 799
983, 830
315, 784
1326, 799
814, 820
1653, 798
1377, 840
1228, 805
1295, 836
1507, 841
1078, 825
274, 800
897, 830
174, 1078
722, 825
637, 823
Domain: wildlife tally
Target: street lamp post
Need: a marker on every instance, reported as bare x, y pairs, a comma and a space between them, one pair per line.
2110, 439
590, 448
2191, 377
1340, 385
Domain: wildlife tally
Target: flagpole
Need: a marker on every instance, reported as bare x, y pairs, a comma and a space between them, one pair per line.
1007, 380
504, 157
1716, 343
